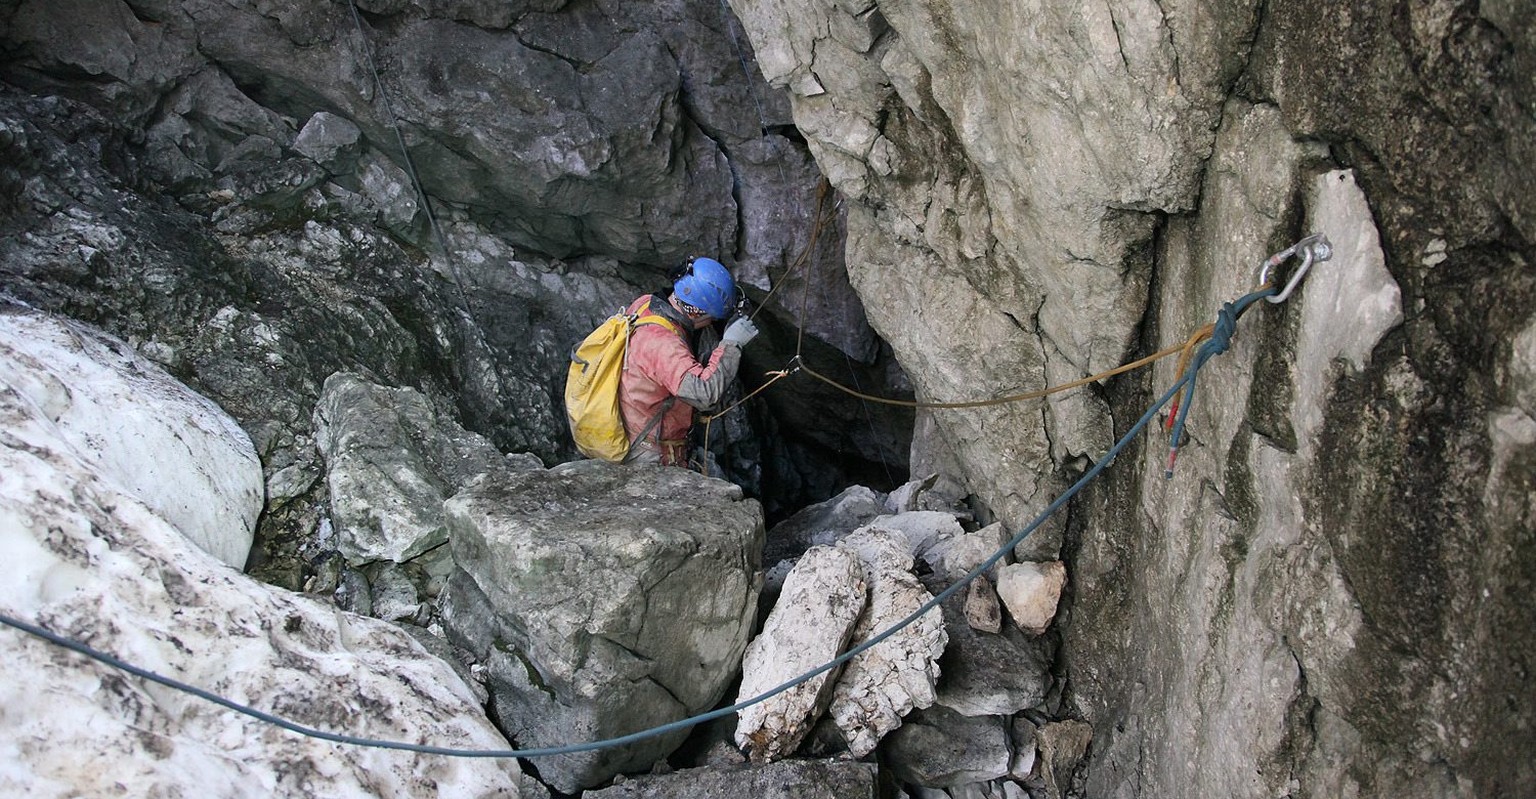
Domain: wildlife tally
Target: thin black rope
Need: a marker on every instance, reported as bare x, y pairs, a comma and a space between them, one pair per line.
410, 163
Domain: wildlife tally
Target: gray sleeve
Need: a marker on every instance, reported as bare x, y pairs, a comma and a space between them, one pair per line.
704, 390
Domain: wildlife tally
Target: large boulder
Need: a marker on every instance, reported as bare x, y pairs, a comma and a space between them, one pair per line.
93, 559
604, 600
938, 747
897, 675
990, 673
823, 597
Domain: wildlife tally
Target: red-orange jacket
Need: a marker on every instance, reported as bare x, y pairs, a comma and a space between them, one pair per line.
660, 364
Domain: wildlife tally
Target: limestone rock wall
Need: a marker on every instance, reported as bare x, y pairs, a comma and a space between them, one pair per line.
435, 196
1331, 595
1325, 599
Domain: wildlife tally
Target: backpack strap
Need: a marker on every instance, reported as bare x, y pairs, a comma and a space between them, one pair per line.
643, 316
666, 405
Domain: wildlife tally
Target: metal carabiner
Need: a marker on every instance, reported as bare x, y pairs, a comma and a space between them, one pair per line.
1313, 248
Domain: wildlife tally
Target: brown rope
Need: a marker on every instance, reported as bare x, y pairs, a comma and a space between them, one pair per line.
709, 419
1185, 350
1186, 347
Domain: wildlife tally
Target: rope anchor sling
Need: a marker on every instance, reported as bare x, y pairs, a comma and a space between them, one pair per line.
1219, 340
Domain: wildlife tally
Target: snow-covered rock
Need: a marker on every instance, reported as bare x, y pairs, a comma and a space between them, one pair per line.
90, 559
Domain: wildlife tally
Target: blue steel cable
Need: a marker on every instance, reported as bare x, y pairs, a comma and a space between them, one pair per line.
1226, 323
1219, 342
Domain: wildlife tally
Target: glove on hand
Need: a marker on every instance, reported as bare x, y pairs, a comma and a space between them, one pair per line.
739, 332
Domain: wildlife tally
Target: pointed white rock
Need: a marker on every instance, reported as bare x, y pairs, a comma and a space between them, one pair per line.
822, 598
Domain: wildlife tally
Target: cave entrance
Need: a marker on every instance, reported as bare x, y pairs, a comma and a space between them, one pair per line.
800, 441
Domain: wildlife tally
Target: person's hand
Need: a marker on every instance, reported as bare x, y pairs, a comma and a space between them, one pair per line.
739, 332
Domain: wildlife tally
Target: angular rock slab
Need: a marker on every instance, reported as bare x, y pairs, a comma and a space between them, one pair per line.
802, 779
938, 748
811, 624
1031, 591
823, 523
604, 600
889, 680
89, 560
923, 529
1062, 746
390, 463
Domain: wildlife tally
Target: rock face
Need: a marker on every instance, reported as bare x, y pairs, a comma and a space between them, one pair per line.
604, 600
1035, 194
1329, 598
93, 559
435, 196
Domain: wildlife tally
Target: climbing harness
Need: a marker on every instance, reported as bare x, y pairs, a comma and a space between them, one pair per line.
1217, 342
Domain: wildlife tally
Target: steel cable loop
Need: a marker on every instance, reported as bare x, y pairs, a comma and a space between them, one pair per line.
624, 740
1219, 341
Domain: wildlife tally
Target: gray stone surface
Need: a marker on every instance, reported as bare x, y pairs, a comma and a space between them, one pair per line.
246, 186
1035, 194
803, 779
1062, 746
823, 523
990, 673
1026, 194
939, 748
390, 463
604, 600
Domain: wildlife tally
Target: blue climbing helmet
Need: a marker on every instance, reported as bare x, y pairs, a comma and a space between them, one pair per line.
706, 285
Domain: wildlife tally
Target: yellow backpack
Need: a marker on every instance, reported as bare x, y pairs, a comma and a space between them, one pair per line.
592, 386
